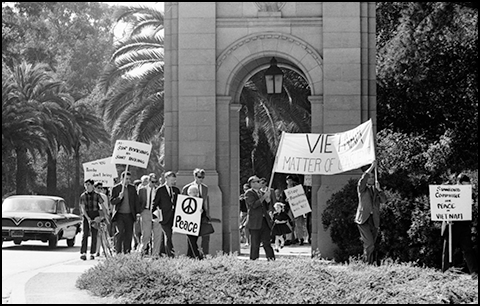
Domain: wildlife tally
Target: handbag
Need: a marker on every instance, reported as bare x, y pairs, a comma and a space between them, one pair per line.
206, 227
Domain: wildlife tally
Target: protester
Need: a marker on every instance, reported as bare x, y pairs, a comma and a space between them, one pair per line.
90, 202
300, 222
192, 246
165, 201
370, 195
105, 209
280, 227
244, 232
126, 208
259, 222
461, 237
198, 177
146, 194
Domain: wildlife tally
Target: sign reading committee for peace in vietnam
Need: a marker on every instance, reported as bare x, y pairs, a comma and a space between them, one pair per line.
133, 153
326, 153
451, 202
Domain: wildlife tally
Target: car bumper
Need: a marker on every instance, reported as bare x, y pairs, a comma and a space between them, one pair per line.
27, 233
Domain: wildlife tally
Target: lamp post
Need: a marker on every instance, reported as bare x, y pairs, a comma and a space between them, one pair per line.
273, 78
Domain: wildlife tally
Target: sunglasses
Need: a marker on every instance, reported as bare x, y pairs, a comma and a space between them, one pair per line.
154, 182
201, 177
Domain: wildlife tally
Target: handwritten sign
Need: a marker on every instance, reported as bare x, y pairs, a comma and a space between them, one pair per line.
133, 153
328, 154
451, 202
187, 215
101, 170
298, 201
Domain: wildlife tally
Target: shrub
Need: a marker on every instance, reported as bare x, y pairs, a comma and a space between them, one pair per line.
227, 279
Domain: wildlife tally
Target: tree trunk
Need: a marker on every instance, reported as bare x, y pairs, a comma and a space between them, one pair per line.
21, 177
51, 174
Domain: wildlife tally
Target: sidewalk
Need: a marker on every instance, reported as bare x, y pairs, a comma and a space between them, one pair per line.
56, 285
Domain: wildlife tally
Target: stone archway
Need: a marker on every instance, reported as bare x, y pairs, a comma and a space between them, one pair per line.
212, 48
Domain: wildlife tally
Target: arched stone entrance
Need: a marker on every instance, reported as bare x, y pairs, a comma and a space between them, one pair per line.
212, 49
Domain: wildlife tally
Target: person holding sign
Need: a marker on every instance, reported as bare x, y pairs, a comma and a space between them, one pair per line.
198, 177
193, 251
370, 195
126, 206
165, 200
461, 236
258, 220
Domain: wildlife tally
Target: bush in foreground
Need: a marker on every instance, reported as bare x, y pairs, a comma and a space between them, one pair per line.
228, 279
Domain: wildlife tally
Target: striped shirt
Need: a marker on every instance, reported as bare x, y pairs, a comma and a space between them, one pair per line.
91, 200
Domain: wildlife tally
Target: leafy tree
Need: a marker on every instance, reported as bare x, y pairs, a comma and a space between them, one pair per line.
427, 80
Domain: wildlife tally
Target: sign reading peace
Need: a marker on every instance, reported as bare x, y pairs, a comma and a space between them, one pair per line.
187, 215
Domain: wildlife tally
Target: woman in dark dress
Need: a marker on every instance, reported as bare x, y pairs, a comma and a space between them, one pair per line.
280, 227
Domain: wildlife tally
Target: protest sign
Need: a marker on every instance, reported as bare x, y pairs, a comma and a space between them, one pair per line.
187, 215
329, 154
298, 201
131, 153
451, 202
101, 170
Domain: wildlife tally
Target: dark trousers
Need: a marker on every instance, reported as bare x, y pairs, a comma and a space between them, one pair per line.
167, 229
192, 246
124, 232
461, 237
368, 234
89, 231
205, 243
262, 235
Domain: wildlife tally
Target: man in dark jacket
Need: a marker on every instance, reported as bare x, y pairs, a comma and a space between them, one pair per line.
259, 221
126, 207
165, 201
368, 211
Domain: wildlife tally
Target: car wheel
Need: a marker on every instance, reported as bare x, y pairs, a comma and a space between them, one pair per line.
52, 241
71, 242
17, 241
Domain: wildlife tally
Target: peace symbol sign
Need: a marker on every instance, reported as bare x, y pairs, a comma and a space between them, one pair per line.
189, 206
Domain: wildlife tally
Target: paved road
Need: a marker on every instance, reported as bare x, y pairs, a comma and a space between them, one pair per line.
34, 274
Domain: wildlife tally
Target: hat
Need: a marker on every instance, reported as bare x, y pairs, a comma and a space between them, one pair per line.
293, 178
252, 178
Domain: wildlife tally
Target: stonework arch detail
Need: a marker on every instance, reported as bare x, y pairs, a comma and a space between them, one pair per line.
253, 51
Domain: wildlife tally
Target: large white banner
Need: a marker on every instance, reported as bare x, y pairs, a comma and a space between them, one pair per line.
451, 202
187, 216
300, 153
133, 153
298, 201
101, 170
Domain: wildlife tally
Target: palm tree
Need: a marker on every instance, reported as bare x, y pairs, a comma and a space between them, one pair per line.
88, 129
23, 119
133, 79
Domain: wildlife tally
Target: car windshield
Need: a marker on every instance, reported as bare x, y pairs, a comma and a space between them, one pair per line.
29, 205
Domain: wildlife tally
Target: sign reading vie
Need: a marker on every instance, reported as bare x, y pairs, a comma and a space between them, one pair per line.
326, 153
451, 202
133, 153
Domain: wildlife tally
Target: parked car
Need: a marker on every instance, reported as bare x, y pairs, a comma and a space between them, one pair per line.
38, 217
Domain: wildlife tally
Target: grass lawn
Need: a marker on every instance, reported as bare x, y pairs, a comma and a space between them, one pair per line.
228, 279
